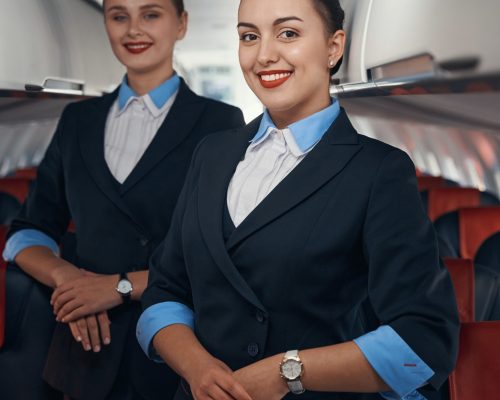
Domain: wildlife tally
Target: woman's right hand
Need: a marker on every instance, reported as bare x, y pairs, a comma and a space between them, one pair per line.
211, 379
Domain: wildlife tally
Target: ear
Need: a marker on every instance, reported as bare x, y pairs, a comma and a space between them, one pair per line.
183, 19
336, 45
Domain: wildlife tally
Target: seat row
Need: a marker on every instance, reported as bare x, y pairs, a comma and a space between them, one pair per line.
467, 222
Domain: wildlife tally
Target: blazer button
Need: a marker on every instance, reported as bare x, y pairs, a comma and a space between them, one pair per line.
259, 316
143, 241
253, 349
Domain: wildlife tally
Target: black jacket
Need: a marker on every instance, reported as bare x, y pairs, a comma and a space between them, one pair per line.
117, 225
341, 245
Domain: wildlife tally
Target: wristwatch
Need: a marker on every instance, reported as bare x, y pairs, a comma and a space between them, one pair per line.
291, 369
124, 287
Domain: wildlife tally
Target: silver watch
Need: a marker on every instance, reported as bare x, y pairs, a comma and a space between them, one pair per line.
124, 287
291, 370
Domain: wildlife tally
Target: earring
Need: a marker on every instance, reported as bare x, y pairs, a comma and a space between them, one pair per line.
331, 64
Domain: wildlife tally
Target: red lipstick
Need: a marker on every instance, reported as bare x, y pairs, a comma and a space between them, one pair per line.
273, 79
137, 47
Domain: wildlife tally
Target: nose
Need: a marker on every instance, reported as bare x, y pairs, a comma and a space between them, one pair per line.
134, 29
268, 52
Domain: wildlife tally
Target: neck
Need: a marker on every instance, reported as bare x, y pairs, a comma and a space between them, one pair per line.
143, 83
285, 118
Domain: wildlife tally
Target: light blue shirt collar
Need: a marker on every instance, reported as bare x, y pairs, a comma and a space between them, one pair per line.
306, 132
159, 95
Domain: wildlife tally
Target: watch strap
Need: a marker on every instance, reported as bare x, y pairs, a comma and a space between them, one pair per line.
295, 385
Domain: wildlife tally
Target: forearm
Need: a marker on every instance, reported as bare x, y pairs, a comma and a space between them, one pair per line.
339, 368
178, 346
336, 368
42, 264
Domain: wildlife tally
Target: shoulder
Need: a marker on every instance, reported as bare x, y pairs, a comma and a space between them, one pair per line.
85, 105
217, 105
381, 152
187, 95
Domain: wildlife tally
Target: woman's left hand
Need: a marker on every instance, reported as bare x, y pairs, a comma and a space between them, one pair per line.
89, 294
262, 379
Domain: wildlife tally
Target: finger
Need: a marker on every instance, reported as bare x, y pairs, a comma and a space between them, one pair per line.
68, 308
235, 389
62, 299
75, 331
102, 319
60, 290
78, 313
216, 392
82, 327
94, 333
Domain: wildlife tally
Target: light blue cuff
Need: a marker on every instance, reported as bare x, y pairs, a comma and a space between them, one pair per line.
27, 238
157, 317
395, 362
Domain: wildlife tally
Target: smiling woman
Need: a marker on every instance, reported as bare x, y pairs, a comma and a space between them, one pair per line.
115, 167
305, 246
151, 30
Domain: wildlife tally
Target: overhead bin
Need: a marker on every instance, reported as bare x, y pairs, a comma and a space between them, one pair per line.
396, 42
56, 45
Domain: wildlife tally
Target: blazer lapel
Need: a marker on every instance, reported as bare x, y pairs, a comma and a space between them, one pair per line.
90, 133
214, 180
178, 123
325, 161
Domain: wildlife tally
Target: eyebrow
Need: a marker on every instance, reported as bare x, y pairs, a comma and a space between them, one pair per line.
144, 7
276, 22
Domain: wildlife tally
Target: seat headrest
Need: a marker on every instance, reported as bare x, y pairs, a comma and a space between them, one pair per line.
446, 199
475, 225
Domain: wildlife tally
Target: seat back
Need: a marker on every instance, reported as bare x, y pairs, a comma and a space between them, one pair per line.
3, 266
477, 373
445, 199
26, 173
17, 187
428, 182
475, 226
462, 276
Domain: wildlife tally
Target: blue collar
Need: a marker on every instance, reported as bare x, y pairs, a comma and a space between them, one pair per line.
306, 132
159, 95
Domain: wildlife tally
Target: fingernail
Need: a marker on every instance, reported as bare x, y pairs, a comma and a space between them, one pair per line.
63, 320
107, 340
79, 339
87, 347
97, 349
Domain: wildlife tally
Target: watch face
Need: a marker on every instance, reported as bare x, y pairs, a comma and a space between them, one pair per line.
124, 286
291, 369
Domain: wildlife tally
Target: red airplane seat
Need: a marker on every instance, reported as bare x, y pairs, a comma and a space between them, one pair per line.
26, 173
426, 182
466, 229
477, 372
17, 187
462, 276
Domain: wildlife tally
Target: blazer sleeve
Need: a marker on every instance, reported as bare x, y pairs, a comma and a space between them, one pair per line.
168, 280
409, 288
46, 208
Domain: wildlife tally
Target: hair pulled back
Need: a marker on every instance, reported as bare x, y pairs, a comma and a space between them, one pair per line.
333, 17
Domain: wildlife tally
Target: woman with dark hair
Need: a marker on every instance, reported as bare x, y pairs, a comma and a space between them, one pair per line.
299, 259
115, 167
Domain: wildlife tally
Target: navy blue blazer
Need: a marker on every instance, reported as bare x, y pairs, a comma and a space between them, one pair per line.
340, 246
118, 226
